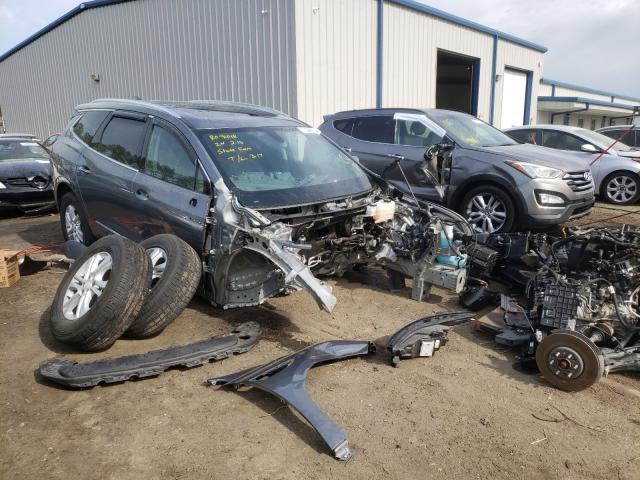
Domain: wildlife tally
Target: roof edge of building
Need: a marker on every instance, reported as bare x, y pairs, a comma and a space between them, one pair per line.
572, 86
59, 21
591, 101
414, 5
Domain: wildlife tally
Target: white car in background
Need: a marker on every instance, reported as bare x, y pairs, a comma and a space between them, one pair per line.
616, 173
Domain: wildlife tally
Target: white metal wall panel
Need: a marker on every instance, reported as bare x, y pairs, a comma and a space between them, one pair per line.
240, 50
411, 43
335, 56
511, 55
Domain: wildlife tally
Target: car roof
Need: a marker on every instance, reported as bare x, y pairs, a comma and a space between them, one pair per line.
618, 127
200, 114
17, 135
562, 128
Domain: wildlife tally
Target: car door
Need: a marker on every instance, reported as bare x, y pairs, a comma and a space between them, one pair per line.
106, 171
171, 191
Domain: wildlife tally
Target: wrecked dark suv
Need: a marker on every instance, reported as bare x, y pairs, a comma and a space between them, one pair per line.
266, 201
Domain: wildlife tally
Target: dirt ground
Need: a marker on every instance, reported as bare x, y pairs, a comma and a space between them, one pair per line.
465, 413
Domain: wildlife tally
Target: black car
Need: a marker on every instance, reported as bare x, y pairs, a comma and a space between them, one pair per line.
267, 201
25, 175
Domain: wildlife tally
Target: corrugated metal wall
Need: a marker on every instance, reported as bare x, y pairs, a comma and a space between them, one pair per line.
155, 49
411, 43
335, 56
511, 55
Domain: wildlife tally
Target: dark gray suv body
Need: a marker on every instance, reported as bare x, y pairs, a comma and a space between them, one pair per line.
489, 178
267, 201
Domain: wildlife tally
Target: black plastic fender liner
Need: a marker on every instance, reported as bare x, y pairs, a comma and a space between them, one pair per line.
286, 379
407, 341
89, 374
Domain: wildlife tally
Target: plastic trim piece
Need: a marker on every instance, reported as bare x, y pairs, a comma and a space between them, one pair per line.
286, 379
406, 342
79, 375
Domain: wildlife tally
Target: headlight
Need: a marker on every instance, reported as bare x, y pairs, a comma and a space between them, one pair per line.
2, 185
536, 171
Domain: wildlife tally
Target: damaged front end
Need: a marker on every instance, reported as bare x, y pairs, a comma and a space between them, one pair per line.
253, 255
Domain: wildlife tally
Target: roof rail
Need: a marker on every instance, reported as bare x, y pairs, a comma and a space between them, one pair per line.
224, 106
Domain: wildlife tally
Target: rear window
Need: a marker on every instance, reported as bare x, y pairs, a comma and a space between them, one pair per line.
345, 125
122, 139
88, 125
21, 149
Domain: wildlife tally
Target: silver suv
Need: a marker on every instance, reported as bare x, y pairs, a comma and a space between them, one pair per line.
456, 159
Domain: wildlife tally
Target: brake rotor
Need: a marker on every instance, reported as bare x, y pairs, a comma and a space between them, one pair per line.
569, 360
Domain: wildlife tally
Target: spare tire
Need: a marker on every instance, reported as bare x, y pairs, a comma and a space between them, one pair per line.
176, 272
101, 294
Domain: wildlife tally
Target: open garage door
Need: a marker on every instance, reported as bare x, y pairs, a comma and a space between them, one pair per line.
514, 97
456, 82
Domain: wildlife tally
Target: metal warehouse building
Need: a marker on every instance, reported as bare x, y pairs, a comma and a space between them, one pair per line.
305, 57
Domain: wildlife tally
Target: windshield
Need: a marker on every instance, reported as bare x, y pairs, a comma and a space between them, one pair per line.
20, 149
277, 166
602, 141
468, 130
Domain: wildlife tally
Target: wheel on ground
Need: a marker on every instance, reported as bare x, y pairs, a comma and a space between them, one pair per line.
569, 361
621, 188
488, 209
176, 271
101, 294
74, 225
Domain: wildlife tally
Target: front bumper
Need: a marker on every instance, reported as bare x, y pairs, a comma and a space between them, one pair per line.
576, 205
26, 199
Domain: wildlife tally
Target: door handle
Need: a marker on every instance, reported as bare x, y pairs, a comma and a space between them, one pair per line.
347, 149
84, 169
142, 194
396, 156
193, 202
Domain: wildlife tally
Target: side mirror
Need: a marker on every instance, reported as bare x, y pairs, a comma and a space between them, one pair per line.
437, 149
587, 147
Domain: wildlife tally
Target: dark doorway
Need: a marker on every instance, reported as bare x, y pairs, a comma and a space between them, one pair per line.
456, 82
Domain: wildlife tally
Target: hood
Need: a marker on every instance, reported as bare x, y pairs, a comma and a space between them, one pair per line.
547, 157
630, 154
25, 168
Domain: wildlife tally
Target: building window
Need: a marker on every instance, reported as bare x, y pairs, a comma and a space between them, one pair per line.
593, 124
602, 124
565, 119
581, 122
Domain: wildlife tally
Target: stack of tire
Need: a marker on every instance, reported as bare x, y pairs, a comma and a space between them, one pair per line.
120, 288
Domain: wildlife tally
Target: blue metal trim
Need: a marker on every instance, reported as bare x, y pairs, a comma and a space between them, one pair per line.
527, 99
553, 83
585, 100
475, 87
379, 53
467, 23
553, 90
56, 23
494, 71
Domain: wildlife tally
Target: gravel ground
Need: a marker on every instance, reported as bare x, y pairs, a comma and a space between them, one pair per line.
465, 413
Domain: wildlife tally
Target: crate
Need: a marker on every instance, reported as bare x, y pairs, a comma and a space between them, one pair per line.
9, 267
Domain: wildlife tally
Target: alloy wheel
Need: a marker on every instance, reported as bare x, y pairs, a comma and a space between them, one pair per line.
87, 285
73, 224
486, 212
158, 261
621, 188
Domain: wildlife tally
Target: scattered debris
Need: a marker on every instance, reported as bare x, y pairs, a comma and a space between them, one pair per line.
535, 442
286, 379
111, 370
422, 337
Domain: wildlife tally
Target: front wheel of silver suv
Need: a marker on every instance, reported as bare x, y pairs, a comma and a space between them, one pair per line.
488, 209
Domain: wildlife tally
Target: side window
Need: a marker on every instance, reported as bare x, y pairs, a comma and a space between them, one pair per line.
169, 160
122, 139
415, 134
378, 128
562, 140
345, 125
612, 133
88, 125
526, 136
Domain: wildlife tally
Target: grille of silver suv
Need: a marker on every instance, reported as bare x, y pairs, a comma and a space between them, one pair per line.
579, 181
